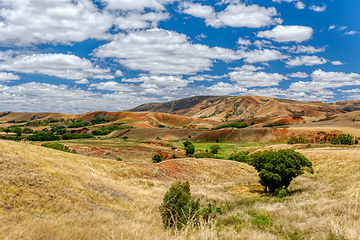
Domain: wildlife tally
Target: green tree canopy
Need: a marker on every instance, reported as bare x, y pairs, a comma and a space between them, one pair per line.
278, 168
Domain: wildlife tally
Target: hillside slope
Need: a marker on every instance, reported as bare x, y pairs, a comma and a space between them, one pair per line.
247, 107
48, 194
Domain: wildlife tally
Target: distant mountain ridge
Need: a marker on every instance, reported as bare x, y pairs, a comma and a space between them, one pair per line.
245, 107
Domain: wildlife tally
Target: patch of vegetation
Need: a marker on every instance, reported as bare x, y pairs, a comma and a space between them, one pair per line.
107, 130
179, 209
99, 119
43, 136
78, 124
295, 140
242, 156
232, 125
161, 126
68, 136
58, 146
344, 139
278, 168
204, 155
27, 131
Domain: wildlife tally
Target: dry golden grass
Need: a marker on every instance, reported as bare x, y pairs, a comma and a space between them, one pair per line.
48, 194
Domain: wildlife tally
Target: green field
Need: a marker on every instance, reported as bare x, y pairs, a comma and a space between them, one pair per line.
227, 148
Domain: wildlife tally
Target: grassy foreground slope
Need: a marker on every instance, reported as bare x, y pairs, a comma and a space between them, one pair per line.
48, 194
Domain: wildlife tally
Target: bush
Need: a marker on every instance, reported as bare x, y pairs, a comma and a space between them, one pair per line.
161, 126
156, 158
179, 209
214, 149
278, 168
295, 140
43, 136
241, 156
344, 139
119, 159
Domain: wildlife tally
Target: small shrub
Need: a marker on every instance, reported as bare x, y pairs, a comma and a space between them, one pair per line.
156, 158
215, 149
282, 193
260, 221
161, 126
157, 138
119, 159
179, 209
125, 137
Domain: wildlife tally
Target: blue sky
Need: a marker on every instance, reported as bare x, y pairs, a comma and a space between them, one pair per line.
77, 56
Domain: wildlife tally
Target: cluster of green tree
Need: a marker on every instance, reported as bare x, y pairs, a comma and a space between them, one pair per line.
37, 123
295, 140
43, 136
99, 119
78, 124
12, 129
58, 146
345, 139
232, 125
68, 136
107, 130
242, 156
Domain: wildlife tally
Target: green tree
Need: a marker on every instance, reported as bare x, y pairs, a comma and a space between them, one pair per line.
278, 168
179, 208
214, 149
190, 149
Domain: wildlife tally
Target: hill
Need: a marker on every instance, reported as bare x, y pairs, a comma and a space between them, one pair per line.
48, 194
234, 108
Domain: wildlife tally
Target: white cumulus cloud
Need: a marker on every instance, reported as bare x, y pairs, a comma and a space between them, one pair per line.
5, 77
234, 15
58, 65
287, 33
159, 51
306, 60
